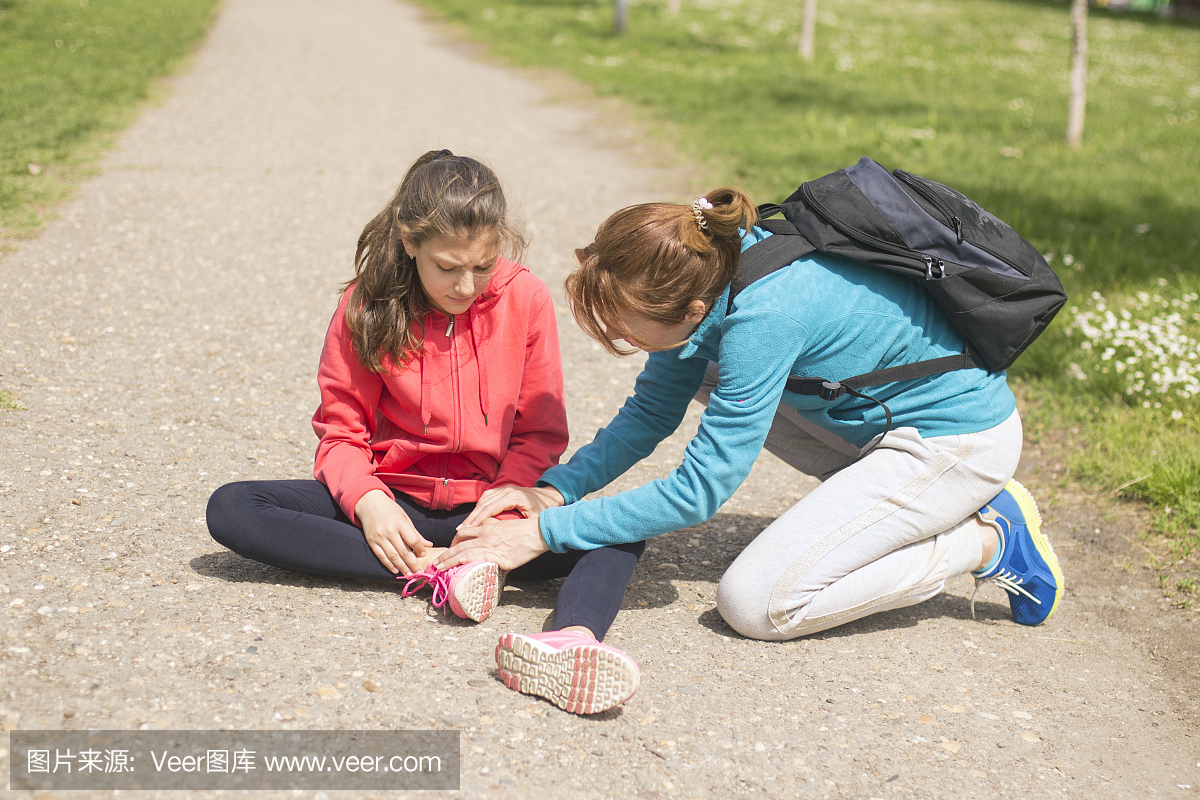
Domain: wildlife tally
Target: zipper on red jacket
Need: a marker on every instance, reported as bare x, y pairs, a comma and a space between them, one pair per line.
455, 411
456, 383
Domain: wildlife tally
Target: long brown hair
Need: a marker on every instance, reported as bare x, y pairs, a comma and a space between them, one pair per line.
442, 195
654, 259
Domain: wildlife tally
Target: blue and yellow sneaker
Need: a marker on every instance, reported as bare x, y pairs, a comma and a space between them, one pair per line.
1026, 568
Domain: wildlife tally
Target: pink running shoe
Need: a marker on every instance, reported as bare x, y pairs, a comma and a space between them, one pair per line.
568, 668
471, 590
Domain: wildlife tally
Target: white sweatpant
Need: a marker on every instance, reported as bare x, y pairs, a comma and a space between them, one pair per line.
882, 531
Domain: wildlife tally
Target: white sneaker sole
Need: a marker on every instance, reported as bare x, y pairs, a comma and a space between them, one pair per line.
476, 593
584, 679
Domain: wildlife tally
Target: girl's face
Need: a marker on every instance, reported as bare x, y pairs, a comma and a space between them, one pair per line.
651, 335
454, 270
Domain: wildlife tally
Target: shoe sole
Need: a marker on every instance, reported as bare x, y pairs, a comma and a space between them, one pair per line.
585, 679
476, 594
1033, 521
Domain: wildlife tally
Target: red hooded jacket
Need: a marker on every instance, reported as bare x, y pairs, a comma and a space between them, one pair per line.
480, 406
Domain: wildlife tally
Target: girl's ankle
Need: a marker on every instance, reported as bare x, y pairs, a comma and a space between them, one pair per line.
431, 555
579, 629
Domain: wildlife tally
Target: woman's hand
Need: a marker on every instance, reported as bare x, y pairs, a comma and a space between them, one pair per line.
506, 543
529, 500
390, 533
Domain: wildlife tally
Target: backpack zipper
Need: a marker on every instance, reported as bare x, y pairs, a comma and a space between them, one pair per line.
938, 202
878, 244
928, 194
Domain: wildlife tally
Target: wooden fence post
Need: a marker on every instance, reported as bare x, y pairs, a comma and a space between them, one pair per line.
807, 32
1077, 103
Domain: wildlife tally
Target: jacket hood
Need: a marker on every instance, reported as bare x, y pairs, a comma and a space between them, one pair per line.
506, 272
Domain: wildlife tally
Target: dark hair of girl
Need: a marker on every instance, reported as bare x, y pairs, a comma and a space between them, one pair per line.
442, 195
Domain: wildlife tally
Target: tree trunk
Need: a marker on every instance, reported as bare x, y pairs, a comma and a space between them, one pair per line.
673, 7
806, 33
1078, 96
620, 15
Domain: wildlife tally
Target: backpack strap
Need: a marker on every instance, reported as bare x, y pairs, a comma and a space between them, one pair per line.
904, 372
784, 246
832, 390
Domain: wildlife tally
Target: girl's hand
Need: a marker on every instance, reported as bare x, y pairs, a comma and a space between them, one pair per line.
506, 543
529, 500
390, 533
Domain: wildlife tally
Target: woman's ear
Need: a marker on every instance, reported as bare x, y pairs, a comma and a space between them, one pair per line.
697, 310
408, 246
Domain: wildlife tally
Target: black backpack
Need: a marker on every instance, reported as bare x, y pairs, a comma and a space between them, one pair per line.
996, 288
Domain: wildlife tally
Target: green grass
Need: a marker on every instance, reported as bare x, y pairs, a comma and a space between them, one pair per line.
72, 75
971, 93
9, 403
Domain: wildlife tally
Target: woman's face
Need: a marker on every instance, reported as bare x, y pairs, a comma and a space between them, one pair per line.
454, 270
650, 335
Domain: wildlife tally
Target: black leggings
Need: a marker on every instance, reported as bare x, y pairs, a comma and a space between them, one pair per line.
297, 525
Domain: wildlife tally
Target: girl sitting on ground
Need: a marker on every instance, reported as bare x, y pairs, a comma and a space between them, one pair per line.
440, 379
902, 507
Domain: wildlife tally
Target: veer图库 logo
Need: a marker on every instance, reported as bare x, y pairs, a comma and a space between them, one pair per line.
106, 760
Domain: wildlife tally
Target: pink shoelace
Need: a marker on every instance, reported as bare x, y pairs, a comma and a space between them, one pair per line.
436, 579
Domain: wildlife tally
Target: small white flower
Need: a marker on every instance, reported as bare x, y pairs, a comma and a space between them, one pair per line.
1140, 342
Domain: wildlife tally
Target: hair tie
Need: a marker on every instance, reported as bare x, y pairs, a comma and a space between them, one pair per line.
698, 208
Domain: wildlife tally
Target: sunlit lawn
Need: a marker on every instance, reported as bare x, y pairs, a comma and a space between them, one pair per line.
72, 74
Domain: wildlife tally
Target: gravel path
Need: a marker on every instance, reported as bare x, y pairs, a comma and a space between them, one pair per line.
163, 335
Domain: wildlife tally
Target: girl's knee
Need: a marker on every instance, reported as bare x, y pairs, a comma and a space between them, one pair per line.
225, 507
743, 601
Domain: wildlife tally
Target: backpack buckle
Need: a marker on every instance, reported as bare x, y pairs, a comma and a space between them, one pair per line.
831, 390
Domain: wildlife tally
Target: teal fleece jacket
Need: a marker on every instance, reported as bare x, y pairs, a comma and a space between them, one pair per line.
818, 317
